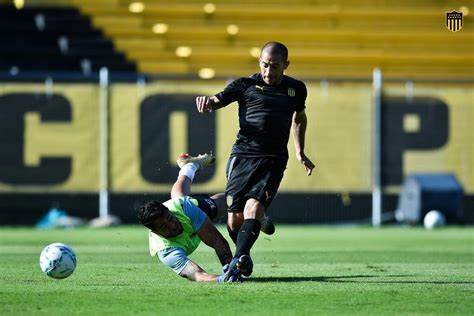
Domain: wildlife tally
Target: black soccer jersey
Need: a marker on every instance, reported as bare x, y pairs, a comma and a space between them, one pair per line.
265, 114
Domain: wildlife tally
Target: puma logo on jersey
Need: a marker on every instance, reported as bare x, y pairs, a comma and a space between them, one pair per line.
267, 196
259, 88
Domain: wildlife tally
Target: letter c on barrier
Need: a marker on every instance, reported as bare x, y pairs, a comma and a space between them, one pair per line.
51, 170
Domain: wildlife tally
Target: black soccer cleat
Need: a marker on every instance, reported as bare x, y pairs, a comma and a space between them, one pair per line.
245, 265
238, 267
267, 226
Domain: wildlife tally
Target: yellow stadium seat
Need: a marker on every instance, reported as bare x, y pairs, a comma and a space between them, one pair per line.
326, 38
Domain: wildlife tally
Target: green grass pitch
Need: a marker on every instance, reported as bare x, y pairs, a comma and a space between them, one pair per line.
301, 270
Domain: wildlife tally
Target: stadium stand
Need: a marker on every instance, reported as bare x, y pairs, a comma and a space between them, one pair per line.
49, 39
327, 39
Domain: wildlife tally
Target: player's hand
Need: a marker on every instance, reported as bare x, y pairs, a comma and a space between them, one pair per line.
229, 277
204, 104
307, 163
225, 268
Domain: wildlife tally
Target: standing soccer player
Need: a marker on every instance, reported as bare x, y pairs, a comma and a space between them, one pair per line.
270, 104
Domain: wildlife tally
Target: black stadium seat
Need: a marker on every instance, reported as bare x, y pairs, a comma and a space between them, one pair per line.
54, 39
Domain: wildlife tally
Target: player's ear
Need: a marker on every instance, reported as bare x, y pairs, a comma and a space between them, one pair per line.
287, 64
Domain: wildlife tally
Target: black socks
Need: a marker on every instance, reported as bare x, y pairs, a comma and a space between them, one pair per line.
247, 236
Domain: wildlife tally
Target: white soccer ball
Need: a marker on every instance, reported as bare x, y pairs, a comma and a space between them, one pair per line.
434, 219
58, 260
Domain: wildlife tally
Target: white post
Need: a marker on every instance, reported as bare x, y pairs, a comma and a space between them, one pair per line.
376, 153
104, 139
49, 86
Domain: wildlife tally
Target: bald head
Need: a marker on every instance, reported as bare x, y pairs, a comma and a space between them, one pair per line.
275, 48
273, 61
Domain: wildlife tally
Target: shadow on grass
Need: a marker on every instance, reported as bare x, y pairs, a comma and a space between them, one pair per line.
309, 279
351, 279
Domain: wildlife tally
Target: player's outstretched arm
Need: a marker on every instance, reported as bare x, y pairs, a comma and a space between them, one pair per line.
194, 272
299, 131
206, 104
214, 239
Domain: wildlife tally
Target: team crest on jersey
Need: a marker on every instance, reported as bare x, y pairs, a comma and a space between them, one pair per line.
454, 21
291, 92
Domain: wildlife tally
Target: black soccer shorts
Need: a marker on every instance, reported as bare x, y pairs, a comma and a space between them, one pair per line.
257, 178
206, 204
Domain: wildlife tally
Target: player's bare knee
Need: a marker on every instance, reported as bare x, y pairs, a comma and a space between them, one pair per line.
234, 221
254, 209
